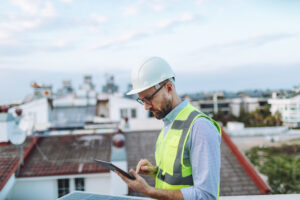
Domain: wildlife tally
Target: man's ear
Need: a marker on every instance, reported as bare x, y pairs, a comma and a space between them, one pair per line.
170, 87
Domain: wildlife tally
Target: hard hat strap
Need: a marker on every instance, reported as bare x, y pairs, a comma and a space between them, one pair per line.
157, 86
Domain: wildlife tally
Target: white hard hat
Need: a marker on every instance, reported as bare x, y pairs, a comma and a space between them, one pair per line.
153, 71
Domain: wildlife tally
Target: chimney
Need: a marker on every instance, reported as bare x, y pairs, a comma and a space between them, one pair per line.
118, 158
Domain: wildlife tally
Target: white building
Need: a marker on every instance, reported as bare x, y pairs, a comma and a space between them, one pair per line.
216, 102
249, 104
116, 107
72, 109
35, 114
289, 109
213, 103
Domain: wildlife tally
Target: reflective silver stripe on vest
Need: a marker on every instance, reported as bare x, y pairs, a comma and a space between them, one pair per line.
177, 178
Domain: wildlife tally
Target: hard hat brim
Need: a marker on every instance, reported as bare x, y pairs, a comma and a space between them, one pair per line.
136, 91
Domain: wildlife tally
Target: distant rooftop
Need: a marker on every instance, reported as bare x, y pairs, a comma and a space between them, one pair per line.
67, 155
10, 157
230, 95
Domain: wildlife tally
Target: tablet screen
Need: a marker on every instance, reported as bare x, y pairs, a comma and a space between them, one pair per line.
112, 167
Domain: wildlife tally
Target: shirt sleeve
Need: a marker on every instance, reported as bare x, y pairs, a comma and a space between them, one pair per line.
204, 143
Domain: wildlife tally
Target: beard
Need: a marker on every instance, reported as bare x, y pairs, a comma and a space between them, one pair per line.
160, 114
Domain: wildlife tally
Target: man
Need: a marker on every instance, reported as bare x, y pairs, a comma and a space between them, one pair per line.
187, 151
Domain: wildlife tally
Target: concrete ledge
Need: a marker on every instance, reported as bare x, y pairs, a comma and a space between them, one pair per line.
263, 197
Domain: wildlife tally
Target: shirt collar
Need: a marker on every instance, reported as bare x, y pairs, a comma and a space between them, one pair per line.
169, 118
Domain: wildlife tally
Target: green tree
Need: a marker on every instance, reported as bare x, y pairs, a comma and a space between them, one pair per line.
280, 164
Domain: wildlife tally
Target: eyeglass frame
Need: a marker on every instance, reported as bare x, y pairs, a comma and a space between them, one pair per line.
149, 99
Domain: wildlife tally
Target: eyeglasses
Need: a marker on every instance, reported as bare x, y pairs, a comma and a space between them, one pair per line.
148, 99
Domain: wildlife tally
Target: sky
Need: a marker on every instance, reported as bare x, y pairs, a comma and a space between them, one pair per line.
211, 44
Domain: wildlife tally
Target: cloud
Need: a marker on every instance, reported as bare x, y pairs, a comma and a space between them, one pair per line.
200, 2
19, 25
48, 10
67, 1
27, 6
158, 28
169, 23
14, 27
35, 7
26, 47
4, 35
254, 41
35, 13
130, 11
142, 6
118, 40
99, 18
157, 7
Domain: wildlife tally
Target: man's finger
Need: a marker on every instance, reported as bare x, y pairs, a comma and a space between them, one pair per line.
140, 164
133, 173
145, 168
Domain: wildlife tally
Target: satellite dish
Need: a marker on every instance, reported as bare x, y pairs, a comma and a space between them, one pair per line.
16, 136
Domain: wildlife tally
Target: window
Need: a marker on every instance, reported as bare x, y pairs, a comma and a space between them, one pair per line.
203, 106
223, 105
262, 103
123, 112
63, 187
79, 184
133, 113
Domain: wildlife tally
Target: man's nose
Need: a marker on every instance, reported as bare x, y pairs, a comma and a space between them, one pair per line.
147, 106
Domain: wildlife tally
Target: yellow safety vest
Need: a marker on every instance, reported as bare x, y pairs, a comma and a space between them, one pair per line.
172, 174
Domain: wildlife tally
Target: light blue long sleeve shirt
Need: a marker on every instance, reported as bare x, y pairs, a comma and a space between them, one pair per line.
203, 153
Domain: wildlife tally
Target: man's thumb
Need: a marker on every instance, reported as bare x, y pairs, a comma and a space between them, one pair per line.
132, 172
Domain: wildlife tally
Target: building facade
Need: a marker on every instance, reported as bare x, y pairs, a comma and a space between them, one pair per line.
289, 109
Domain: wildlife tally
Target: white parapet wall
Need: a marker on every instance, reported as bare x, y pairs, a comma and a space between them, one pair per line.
263, 197
37, 188
237, 129
117, 185
8, 186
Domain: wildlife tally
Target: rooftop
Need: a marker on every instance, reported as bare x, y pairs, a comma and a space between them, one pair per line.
74, 154
10, 157
235, 174
67, 155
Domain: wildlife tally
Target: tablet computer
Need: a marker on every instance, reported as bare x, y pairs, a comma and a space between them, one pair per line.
112, 167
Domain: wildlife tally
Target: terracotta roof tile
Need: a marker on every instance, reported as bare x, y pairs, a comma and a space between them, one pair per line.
9, 159
67, 155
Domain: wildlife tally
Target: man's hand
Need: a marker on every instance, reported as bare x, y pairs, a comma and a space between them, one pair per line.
145, 167
139, 184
